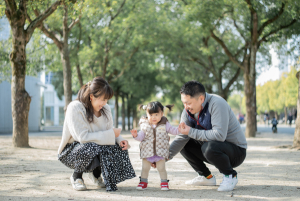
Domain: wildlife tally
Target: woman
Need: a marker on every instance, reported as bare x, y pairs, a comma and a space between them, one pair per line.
89, 141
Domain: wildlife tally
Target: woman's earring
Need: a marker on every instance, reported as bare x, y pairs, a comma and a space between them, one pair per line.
90, 99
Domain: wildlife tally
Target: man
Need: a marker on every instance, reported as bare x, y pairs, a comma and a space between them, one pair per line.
274, 125
210, 133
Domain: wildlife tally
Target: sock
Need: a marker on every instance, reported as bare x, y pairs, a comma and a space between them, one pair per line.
209, 176
144, 180
97, 172
164, 180
77, 175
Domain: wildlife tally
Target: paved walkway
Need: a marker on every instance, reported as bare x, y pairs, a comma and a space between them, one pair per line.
268, 173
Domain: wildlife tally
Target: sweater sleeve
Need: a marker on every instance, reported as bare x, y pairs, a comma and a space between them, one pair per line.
140, 136
79, 129
219, 122
171, 129
180, 140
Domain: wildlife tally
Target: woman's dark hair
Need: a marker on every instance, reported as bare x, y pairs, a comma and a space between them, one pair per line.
98, 87
193, 89
155, 107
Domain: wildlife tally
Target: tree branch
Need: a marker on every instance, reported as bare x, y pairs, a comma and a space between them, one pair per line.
271, 20
228, 53
126, 64
39, 20
185, 3
250, 6
232, 80
264, 38
238, 29
46, 30
119, 10
74, 22
11, 8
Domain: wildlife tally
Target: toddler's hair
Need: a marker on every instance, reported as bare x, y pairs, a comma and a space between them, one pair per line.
155, 107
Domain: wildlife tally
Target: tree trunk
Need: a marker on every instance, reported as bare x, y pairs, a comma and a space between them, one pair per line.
296, 142
116, 94
20, 99
285, 115
64, 53
128, 113
123, 112
77, 57
249, 88
134, 118
105, 60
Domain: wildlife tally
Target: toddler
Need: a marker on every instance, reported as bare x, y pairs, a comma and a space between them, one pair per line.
154, 138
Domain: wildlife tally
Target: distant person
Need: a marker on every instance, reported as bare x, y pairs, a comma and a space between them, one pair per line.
241, 118
90, 143
210, 134
154, 140
295, 114
274, 124
290, 118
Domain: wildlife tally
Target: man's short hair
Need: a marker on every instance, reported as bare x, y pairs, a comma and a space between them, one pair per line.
193, 89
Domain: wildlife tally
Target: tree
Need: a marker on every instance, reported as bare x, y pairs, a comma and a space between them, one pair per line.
296, 142
16, 13
60, 37
256, 23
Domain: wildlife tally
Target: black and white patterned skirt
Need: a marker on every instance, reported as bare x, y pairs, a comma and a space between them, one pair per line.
114, 162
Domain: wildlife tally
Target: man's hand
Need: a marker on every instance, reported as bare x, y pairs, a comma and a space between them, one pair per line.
124, 144
183, 128
133, 133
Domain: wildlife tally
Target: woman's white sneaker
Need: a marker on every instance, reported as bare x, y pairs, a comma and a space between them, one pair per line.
77, 184
228, 183
202, 181
98, 182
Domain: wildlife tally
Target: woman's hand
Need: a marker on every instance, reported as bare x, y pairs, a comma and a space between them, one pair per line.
183, 128
133, 133
117, 131
124, 144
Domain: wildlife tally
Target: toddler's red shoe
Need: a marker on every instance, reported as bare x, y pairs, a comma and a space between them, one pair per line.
164, 186
142, 186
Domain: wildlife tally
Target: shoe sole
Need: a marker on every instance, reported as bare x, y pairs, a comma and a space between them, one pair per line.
165, 189
78, 189
201, 184
141, 189
228, 190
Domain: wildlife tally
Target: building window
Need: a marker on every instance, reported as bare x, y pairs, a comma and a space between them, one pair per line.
49, 116
61, 116
49, 98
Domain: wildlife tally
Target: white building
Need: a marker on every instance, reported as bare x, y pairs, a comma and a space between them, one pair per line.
32, 86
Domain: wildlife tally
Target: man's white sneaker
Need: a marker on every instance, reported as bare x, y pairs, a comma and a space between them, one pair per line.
202, 181
98, 182
228, 183
78, 185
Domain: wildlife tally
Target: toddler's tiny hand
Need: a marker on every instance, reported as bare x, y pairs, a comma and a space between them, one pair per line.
133, 133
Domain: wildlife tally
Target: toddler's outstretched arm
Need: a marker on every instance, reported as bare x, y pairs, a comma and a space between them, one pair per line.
171, 129
139, 136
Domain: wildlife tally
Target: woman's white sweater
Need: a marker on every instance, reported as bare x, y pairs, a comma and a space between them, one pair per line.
77, 128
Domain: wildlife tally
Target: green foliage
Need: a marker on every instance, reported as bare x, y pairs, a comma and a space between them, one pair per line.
278, 94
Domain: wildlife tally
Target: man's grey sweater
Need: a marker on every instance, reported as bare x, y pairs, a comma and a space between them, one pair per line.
225, 126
